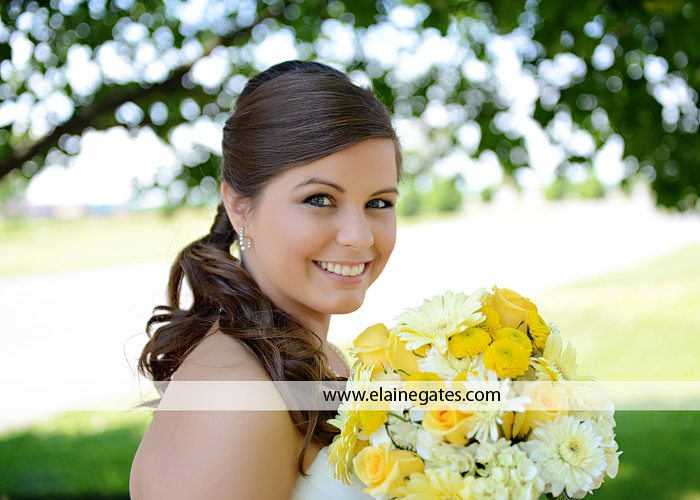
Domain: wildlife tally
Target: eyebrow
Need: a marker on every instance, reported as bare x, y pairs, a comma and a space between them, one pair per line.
315, 180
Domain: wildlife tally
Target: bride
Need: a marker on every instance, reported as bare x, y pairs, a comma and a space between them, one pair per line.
311, 164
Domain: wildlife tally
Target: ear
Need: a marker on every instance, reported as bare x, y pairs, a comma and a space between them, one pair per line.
237, 207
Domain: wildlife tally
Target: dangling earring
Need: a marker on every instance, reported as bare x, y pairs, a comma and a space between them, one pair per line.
244, 247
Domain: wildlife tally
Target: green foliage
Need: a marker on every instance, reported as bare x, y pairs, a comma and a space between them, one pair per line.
487, 194
444, 195
606, 66
409, 204
558, 189
590, 189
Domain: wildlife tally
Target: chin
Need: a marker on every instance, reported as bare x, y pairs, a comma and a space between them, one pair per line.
346, 306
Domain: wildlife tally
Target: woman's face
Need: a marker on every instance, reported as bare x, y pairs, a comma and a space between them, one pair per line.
322, 233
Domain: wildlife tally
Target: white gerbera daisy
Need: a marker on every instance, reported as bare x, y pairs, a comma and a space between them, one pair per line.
569, 454
390, 376
556, 362
447, 366
439, 319
485, 417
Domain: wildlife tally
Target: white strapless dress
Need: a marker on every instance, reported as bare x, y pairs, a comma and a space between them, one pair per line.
321, 485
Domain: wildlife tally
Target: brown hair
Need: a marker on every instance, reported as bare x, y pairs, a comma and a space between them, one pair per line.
287, 116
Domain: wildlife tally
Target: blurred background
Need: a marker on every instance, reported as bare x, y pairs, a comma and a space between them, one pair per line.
551, 148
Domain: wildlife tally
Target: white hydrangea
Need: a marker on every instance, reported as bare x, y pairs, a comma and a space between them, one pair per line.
505, 468
379, 436
404, 434
451, 456
426, 444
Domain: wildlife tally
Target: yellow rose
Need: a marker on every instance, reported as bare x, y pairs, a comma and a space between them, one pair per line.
442, 419
512, 308
548, 401
383, 471
507, 425
404, 361
370, 347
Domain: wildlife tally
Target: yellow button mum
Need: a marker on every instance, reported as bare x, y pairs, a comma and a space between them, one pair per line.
492, 322
507, 358
538, 330
425, 381
516, 335
470, 342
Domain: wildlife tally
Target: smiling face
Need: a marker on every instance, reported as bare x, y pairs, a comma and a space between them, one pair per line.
322, 233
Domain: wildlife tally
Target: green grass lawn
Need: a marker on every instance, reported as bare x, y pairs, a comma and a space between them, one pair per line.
85, 455
638, 324
78, 455
45, 245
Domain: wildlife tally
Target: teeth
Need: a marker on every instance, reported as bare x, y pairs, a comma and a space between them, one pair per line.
342, 270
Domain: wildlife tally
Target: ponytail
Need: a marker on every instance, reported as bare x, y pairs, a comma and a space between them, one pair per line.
222, 290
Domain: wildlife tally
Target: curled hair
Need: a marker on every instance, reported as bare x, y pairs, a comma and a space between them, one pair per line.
292, 114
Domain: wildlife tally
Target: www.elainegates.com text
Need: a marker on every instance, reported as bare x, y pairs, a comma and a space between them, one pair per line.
422, 397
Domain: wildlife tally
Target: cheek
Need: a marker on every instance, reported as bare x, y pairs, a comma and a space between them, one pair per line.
385, 239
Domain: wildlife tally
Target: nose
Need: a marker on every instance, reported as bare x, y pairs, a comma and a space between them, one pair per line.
355, 231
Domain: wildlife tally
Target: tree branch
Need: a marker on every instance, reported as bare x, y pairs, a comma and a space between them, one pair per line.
85, 116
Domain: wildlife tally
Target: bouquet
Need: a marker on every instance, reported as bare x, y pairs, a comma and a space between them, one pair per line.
547, 430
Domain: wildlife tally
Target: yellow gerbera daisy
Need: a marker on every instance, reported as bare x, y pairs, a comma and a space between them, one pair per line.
360, 445
538, 330
470, 342
371, 419
492, 320
438, 485
439, 319
516, 335
557, 362
507, 358
344, 445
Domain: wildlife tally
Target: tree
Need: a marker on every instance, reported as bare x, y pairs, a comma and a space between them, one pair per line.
593, 74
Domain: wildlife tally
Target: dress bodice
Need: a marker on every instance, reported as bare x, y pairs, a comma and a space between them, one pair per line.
321, 485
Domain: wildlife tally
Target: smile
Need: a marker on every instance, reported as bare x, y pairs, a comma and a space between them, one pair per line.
342, 270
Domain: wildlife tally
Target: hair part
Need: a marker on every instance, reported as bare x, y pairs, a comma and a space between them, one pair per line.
288, 116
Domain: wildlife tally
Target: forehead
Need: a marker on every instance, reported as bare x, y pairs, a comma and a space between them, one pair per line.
367, 166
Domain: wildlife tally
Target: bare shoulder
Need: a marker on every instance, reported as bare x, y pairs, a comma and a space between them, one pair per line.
217, 454
220, 357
